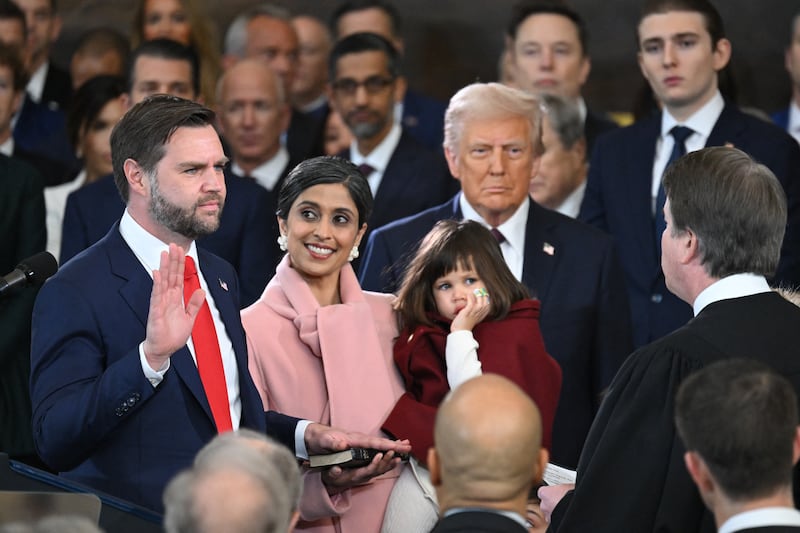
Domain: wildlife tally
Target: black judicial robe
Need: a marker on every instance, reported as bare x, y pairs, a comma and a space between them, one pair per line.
631, 474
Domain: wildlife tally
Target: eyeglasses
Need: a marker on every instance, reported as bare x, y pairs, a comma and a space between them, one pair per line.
373, 85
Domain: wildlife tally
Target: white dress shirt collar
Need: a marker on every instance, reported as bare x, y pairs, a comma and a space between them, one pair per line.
7, 148
35, 86
734, 286
378, 158
268, 173
513, 230
571, 205
146, 246
701, 122
767, 516
793, 125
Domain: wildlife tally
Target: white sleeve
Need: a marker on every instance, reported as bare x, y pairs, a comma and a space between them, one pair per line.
461, 358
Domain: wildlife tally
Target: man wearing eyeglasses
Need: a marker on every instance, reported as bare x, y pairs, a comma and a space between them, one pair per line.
404, 176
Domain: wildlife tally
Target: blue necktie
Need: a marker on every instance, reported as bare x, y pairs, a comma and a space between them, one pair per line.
680, 134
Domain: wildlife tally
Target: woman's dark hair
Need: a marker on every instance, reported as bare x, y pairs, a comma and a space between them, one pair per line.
88, 102
324, 170
448, 246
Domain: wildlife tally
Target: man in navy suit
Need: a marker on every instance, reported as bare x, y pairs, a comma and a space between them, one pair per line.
493, 148
421, 116
164, 66
789, 118
405, 177
738, 422
682, 47
118, 401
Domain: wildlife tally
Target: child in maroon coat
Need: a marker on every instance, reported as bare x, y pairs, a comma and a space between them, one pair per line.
463, 313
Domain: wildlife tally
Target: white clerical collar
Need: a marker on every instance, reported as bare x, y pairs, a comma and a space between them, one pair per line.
379, 157
146, 246
734, 286
35, 86
767, 516
512, 229
701, 122
268, 173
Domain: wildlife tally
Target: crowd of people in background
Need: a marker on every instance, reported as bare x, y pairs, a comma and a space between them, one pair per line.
267, 230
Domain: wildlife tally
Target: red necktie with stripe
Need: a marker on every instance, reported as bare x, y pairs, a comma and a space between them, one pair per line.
206, 351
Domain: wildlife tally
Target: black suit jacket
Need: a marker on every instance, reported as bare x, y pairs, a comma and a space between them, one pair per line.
477, 522
245, 236
22, 234
594, 126
633, 439
618, 201
57, 91
585, 319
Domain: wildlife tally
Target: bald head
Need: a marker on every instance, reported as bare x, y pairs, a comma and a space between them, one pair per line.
487, 449
252, 111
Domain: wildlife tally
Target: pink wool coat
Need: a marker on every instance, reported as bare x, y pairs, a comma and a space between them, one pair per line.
333, 365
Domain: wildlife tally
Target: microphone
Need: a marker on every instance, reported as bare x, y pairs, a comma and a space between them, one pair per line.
34, 269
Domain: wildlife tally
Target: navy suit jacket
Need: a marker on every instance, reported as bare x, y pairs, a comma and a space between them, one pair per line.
244, 238
618, 201
585, 319
423, 118
415, 179
96, 417
781, 118
594, 126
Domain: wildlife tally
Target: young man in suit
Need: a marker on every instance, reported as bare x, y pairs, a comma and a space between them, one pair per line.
365, 83
682, 47
122, 400
486, 456
547, 43
493, 148
789, 118
716, 256
738, 421
164, 66
421, 115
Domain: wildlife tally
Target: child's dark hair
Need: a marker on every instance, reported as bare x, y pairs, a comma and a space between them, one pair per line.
449, 245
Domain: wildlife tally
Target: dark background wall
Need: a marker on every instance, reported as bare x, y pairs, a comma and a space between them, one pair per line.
450, 43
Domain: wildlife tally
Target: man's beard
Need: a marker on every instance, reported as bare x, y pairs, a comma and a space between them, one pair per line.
181, 220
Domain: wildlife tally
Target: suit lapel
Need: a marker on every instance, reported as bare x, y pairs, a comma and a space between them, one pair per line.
728, 128
639, 191
541, 251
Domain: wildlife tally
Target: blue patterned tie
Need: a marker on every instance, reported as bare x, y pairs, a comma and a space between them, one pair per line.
680, 134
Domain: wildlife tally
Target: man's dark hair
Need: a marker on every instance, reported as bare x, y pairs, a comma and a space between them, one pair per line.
711, 17
364, 42
735, 206
145, 129
352, 6
10, 56
166, 49
11, 11
98, 41
522, 10
741, 418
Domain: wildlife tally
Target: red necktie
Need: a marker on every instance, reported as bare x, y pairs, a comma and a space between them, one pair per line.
206, 351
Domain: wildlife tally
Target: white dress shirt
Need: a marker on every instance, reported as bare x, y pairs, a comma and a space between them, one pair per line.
513, 230
147, 249
377, 158
55, 201
767, 516
268, 173
701, 122
35, 86
793, 126
571, 205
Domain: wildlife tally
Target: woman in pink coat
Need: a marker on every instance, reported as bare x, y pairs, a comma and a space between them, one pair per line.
320, 348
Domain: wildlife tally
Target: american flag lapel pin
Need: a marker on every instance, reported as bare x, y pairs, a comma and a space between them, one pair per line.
548, 249
223, 284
